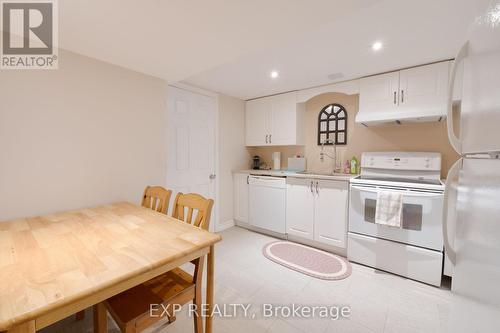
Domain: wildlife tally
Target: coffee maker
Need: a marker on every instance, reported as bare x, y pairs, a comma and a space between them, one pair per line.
256, 162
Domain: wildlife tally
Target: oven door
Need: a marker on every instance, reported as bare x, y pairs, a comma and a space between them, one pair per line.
422, 215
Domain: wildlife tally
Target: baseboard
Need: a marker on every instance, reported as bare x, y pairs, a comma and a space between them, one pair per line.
225, 225
260, 230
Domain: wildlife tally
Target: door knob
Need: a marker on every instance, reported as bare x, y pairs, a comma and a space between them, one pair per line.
212, 176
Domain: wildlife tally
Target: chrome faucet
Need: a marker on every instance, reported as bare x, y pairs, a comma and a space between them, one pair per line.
323, 154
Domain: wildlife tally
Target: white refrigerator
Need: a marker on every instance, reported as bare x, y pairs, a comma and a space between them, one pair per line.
471, 225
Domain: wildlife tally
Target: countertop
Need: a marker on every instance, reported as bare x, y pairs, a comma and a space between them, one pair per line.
294, 174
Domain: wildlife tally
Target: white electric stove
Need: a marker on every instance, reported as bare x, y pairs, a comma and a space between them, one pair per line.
414, 250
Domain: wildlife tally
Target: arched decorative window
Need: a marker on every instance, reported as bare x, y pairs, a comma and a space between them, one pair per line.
332, 124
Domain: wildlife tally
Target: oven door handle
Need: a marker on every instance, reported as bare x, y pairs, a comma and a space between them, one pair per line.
407, 193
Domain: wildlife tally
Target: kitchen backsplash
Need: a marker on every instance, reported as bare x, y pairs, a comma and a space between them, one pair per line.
428, 137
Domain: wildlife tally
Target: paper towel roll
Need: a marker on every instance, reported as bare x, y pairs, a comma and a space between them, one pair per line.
277, 160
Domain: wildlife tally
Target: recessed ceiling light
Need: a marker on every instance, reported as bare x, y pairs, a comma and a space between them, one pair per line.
274, 74
377, 46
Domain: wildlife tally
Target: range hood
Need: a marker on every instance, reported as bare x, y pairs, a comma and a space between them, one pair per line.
380, 119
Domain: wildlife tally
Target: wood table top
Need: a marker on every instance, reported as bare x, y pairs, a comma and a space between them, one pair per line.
47, 262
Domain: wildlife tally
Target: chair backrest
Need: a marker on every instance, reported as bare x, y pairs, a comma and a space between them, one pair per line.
193, 202
156, 198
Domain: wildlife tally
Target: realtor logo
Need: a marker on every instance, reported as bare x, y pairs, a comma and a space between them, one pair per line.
29, 34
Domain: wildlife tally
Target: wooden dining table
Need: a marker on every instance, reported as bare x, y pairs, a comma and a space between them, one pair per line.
56, 265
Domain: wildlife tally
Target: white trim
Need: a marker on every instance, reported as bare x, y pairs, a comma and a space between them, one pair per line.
221, 226
350, 87
215, 226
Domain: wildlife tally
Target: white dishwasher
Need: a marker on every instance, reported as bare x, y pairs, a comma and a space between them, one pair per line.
267, 204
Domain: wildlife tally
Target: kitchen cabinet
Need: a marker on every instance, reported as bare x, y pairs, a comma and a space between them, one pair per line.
379, 94
317, 210
414, 94
300, 208
240, 195
257, 122
274, 121
330, 212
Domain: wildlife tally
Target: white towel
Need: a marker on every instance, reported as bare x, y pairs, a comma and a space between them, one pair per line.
389, 209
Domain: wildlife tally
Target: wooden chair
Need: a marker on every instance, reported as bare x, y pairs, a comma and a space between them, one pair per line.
131, 309
157, 198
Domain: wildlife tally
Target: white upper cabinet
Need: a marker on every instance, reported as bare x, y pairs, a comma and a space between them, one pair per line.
256, 122
379, 94
415, 94
423, 91
274, 121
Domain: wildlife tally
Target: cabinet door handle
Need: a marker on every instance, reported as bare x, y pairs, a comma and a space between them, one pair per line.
311, 187
395, 97
270, 141
267, 137
317, 190
248, 178
402, 96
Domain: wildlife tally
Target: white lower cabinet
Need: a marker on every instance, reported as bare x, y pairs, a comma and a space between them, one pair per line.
240, 197
317, 210
330, 213
299, 208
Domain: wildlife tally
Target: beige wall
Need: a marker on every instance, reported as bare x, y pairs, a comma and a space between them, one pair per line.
232, 152
428, 137
86, 134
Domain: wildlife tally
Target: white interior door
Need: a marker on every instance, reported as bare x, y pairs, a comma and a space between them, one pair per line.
191, 144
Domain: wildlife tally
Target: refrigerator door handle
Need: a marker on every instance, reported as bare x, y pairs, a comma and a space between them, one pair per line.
454, 141
452, 174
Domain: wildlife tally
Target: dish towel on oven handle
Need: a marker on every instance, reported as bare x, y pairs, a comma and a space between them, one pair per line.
389, 209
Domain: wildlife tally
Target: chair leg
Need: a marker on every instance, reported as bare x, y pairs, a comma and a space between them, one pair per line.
171, 318
100, 318
130, 328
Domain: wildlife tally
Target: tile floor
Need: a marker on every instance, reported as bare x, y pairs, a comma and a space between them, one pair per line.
379, 302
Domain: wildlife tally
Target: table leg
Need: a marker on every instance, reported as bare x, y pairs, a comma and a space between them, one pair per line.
210, 289
28, 327
100, 318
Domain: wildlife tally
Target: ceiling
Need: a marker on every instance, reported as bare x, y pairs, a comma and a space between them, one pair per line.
231, 46
412, 32
177, 39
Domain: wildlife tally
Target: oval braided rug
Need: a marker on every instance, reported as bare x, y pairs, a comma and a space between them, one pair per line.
307, 260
